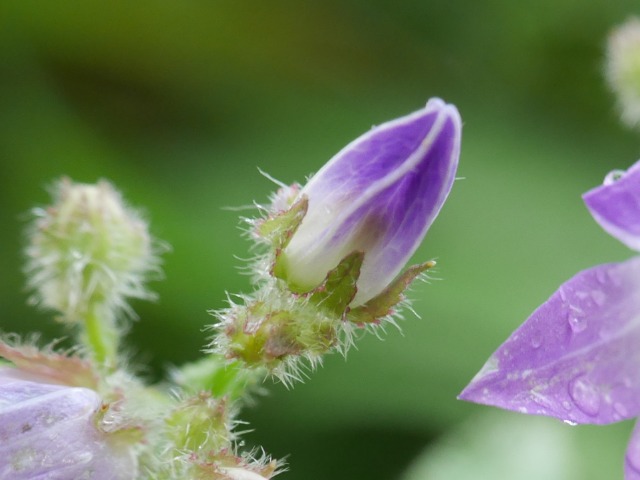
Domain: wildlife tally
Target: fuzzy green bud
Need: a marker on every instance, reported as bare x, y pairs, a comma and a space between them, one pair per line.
623, 69
200, 425
87, 254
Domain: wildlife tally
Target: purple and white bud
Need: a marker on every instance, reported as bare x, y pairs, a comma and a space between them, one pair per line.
51, 431
379, 195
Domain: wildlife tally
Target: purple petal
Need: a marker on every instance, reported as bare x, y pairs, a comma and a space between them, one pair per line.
577, 357
616, 205
632, 457
49, 432
379, 195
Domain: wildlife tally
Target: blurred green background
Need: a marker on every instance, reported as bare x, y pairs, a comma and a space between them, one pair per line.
179, 103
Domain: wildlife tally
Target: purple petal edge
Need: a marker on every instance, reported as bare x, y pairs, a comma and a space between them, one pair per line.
615, 205
632, 456
577, 357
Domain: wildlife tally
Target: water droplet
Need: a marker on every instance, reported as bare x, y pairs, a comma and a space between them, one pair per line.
542, 400
563, 295
614, 277
620, 409
613, 176
599, 297
24, 459
566, 404
578, 323
602, 277
536, 340
569, 422
585, 395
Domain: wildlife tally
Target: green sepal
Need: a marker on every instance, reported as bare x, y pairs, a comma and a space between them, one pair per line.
60, 368
279, 229
339, 287
261, 337
199, 424
382, 305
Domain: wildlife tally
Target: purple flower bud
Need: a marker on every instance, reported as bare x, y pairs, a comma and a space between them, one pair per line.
379, 195
50, 432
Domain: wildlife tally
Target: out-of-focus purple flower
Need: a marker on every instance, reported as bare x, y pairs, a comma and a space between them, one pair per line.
379, 195
577, 357
50, 432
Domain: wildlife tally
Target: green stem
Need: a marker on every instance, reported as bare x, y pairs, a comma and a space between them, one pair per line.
100, 336
215, 374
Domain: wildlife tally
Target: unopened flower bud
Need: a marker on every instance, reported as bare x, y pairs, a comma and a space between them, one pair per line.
50, 431
88, 249
379, 195
623, 69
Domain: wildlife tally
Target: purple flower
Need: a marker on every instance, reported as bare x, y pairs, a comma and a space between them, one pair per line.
577, 357
379, 195
49, 432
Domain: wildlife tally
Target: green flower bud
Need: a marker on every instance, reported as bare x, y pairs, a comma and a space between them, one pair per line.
87, 254
623, 69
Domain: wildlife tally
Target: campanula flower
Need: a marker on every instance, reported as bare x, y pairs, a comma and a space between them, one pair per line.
577, 357
379, 195
51, 432
336, 248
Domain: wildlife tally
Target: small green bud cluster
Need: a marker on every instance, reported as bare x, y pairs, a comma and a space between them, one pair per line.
200, 431
88, 254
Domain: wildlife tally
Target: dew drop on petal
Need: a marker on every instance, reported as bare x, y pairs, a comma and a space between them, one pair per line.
563, 295
577, 322
569, 422
585, 395
599, 297
24, 459
536, 340
613, 176
614, 278
602, 277
620, 409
